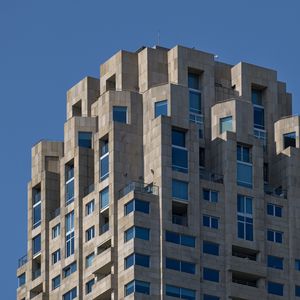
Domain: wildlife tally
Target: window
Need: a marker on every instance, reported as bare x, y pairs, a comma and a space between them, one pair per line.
209, 297
179, 189
104, 198
244, 166
137, 232
85, 139
210, 221
179, 151
55, 231
258, 109
36, 207
244, 218
137, 259
210, 195
274, 236
137, 205
89, 286
104, 159
55, 256
297, 290
120, 114
36, 244
72, 294
89, 207
70, 247
69, 186
137, 286
289, 140
179, 292
55, 282
181, 239
274, 210
181, 266
275, 288
201, 157
275, 262
211, 274
90, 233
210, 248
297, 264
68, 270
89, 260
21, 279
193, 81
161, 108
256, 96
194, 93
226, 124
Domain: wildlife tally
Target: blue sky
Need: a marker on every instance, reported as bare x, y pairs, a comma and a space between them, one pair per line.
47, 46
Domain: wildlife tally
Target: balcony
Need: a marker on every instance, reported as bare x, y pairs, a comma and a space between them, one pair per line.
239, 289
140, 187
209, 176
102, 262
88, 189
102, 288
22, 261
54, 213
179, 220
276, 192
36, 273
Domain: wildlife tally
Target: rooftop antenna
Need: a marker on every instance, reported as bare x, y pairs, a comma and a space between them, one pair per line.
158, 38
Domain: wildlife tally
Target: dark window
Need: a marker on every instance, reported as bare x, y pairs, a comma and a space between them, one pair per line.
210, 248
179, 292
275, 262
137, 232
211, 222
182, 266
21, 279
193, 81
297, 291
274, 210
120, 114
201, 157
85, 139
210, 274
275, 288
210, 195
274, 236
178, 138
179, 152
210, 297
68, 270
289, 140
256, 96
181, 239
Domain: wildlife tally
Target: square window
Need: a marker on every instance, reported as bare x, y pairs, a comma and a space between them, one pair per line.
161, 108
226, 124
179, 189
211, 274
120, 114
85, 139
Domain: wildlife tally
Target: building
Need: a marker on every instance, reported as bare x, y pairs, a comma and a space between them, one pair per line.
178, 177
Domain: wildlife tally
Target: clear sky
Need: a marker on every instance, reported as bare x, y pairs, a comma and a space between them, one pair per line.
48, 46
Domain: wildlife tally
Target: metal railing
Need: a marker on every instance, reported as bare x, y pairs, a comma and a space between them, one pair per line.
206, 175
54, 213
104, 228
277, 192
141, 187
22, 261
36, 273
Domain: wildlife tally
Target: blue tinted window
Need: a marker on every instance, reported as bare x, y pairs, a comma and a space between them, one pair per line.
172, 237
226, 124
68, 270
72, 294
85, 139
179, 292
297, 291
104, 167
274, 210
36, 218
275, 288
210, 195
36, 244
209, 297
137, 259
297, 264
210, 248
188, 267
258, 117
178, 138
210, 274
243, 154
211, 222
21, 279
180, 159
274, 236
137, 205
193, 81
172, 264
137, 286
275, 262
179, 189
69, 187
55, 282
172, 291
244, 175
90, 207
182, 266
89, 286
90, 233
137, 232
195, 102
161, 108
187, 240
89, 260
104, 198
256, 96
120, 114
55, 256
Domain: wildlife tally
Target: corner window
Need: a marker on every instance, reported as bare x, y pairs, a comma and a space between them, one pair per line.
180, 292
180, 239
137, 232
226, 124
137, 205
21, 279
137, 286
70, 269
161, 108
120, 114
137, 259
289, 140
85, 139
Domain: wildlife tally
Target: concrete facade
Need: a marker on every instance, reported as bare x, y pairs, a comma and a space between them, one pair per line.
214, 168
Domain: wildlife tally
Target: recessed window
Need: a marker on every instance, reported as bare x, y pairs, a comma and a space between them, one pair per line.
274, 236
274, 210
210, 221
179, 189
193, 81
180, 239
210, 297
137, 205
297, 290
137, 259
211, 274
36, 244
70, 269
120, 114
297, 264
55, 256
90, 233
21, 279
36, 207
104, 159
210, 195
226, 124
85, 139
244, 218
55, 231
104, 198
161, 108
137, 286
89, 207
70, 239
89, 286
72, 294
179, 151
275, 262
289, 140
179, 265
275, 288
137, 232
180, 292
244, 166
55, 282
210, 248
201, 157
69, 185
89, 260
